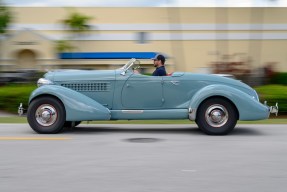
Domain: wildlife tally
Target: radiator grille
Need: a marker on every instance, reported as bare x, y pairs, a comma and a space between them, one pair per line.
87, 86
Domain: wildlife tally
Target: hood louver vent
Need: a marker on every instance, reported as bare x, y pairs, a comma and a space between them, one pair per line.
87, 86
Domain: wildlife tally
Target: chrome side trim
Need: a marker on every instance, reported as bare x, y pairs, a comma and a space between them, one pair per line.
191, 114
133, 111
175, 82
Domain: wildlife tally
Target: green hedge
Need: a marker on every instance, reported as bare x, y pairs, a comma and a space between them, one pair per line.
14, 94
273, 94
279, 78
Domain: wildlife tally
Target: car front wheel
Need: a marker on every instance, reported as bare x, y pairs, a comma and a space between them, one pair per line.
217, 116
46, 115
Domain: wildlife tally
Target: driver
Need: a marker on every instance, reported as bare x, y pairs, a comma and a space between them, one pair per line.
158, 62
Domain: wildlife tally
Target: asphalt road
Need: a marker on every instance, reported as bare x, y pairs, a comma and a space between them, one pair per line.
144, 158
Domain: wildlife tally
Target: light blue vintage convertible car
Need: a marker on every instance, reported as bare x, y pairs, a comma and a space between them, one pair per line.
215, 103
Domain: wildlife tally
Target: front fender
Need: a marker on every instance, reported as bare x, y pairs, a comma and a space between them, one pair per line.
78, 107
248, 107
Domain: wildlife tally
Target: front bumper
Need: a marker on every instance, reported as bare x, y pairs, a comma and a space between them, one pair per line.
21, 110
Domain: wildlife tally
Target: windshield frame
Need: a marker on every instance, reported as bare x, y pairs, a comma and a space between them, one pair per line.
129, 65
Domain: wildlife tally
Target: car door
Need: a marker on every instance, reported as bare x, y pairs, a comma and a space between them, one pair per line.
142, 92
176, 91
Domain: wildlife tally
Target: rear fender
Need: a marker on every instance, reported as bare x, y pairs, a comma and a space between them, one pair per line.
78, 107
248, 108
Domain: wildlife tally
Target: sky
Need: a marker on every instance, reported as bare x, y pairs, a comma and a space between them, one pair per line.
148, 3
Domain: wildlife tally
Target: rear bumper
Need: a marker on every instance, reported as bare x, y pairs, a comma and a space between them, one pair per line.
273, 109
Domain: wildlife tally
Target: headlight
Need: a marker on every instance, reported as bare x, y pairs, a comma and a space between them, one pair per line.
43, 81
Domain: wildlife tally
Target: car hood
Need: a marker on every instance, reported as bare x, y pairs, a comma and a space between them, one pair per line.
80, 75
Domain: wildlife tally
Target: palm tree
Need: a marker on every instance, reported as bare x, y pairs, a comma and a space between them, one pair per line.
5, 17
63, 45
77, 23
5, 20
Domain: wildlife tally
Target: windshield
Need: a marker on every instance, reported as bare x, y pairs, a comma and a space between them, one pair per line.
131, 64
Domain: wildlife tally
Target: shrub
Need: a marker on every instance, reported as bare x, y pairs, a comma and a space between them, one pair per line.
273, 94
14, 94
279, 78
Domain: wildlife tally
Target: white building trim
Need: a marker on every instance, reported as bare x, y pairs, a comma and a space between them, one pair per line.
158, 27
177, 36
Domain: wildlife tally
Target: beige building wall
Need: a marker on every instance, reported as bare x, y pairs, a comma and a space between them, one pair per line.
193, 38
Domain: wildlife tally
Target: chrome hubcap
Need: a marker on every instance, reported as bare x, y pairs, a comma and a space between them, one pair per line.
216, 115
46, 115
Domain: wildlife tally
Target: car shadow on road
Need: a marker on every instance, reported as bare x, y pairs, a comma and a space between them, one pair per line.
247, 131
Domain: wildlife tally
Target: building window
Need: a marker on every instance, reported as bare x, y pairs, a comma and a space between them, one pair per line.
142, 37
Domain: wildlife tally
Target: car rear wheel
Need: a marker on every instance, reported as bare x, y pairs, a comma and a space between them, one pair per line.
216, 116
46, 115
